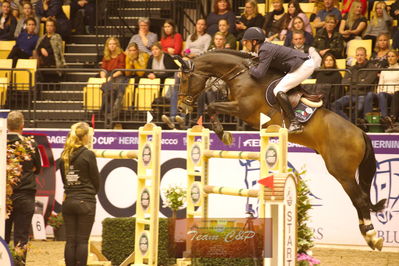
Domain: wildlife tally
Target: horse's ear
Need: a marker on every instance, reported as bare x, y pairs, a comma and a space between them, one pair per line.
182, 64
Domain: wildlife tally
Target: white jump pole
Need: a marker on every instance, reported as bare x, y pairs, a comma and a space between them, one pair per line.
3, 165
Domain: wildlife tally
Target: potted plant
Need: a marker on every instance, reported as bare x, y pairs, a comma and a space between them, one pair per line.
57, 222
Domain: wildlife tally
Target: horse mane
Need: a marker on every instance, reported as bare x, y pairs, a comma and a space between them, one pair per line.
229, 51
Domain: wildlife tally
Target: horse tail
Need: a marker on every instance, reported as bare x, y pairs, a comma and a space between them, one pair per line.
367, 169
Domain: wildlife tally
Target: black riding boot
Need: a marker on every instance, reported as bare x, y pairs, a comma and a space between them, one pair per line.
295, 126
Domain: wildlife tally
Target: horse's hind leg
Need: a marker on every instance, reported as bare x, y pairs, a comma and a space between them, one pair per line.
361, 202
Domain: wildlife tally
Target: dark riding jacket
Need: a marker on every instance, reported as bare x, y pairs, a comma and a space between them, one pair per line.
279, 57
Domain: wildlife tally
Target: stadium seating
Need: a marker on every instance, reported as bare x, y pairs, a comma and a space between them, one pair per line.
21, 78
92, 94
147, 91
5, 48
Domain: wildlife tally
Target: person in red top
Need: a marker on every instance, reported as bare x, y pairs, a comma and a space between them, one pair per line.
114, 88
171, 41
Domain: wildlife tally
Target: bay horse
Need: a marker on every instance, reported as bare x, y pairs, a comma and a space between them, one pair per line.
346, 150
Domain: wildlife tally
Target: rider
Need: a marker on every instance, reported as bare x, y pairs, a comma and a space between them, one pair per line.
297, 66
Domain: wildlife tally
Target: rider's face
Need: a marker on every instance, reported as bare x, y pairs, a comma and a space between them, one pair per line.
247, 45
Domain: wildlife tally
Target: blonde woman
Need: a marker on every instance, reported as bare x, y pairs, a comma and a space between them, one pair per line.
135, 59
380, 22
81, 181
249, 18
380, 55
114, 88
354, 23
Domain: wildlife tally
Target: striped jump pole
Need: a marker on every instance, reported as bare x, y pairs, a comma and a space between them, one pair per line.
278, 203
3, 167
148, 183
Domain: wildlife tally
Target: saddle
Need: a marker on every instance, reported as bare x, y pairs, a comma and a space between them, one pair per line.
303, 98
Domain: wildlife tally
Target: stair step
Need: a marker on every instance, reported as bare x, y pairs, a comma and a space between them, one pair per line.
84, 39
122, 29
79, 76
83, 48
73, 95
80, 57
59, 105
56, 114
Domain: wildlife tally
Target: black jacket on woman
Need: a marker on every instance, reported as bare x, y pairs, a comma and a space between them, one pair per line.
335, 43
168, 63
63, 26
82, 181
327, 79
10, 24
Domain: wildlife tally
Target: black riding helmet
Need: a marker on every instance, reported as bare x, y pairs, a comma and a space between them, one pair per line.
254, 33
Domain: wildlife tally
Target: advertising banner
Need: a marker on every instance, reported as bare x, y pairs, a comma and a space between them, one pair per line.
333, 217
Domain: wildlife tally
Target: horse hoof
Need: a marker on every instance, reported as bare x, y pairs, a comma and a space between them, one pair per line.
227, 138
379, 243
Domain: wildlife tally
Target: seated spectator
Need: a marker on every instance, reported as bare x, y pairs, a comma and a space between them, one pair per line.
218, 42
298, 43
27, 13
114, 88
49, 52
249, 18
25, 44
380, 54
144, 39
135, 59
329, 9
360, 82
83, 16
47, 9
275, 22
221, 10
328, 40
294, 10
330, 80
298, 25
354, 23
171, 41
198, 42
16, 7
387, 86
347, 4
8, 23
160, 61
380, 22
231, 41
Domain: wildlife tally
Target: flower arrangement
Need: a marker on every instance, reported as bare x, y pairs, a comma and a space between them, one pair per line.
19, 254
55, 220
175, 197
17, 152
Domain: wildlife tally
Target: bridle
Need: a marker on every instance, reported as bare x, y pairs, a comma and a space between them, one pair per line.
189, 100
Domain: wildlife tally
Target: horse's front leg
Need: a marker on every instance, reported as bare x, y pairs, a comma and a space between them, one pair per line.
215, 108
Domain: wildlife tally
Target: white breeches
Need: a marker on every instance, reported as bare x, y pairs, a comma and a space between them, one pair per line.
293, 79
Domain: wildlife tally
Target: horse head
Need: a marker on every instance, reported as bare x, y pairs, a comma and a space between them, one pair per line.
223, 64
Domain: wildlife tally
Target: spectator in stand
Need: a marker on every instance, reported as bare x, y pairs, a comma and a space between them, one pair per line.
114, 88
275, 22
198, 42
329, 9
347, 4
353, 23
387, 86
135, 59
8, 23
328, 40
231, 41
46, 9
298, 25
360, 81
145, 38
380, 55
330, 80
16, 7
171, 41
81, 179
26, 43
160, 60
294, 10
23, 194
218, 42
27, 13
222, 10
249, 18
49, 52
83, 14
380, 22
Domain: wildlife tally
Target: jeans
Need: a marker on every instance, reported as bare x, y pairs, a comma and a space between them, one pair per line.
174, 97
383, 99
111, 90
79, 218
339, 105
21, 216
